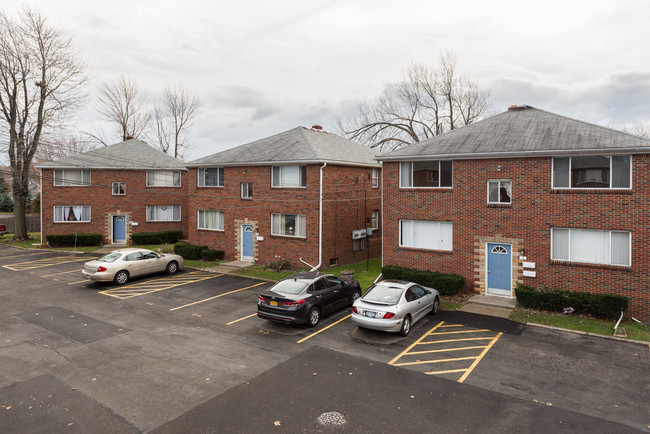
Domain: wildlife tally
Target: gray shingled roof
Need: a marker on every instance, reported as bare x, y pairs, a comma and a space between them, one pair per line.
298, 145
129, 155
523, 131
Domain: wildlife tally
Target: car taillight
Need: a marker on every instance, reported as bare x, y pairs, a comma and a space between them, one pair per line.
389, 315
101, 268
354, 309
293, 303
262, 299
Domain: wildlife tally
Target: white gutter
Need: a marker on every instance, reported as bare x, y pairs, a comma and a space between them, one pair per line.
320, 224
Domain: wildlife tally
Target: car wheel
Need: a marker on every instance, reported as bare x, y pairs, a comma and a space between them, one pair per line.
172, 267
406, 326
436, 306
121, 277
355, 296
314, 317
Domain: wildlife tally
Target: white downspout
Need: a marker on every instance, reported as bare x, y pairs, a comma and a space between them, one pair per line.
41, 207
320, 224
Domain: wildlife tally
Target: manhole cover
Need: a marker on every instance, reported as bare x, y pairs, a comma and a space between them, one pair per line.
331, 418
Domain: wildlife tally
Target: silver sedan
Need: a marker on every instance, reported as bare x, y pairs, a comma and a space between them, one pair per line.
120, 265
394, 306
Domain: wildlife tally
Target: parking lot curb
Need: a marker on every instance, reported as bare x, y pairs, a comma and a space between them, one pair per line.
615, 338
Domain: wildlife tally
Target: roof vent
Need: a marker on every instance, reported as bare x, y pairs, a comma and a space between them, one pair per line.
317, 127
517, 107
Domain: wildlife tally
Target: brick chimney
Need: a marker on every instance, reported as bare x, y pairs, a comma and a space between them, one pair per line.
317, 127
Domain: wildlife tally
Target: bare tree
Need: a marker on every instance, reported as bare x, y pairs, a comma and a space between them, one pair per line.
41, 81
63, 146
173, 118
121, 103
425, 103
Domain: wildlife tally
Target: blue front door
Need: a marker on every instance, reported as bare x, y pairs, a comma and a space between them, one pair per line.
246, 242
119, 229
499, 269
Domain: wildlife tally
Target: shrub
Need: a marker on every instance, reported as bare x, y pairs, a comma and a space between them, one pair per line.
164, 237
65, 240
189, 251
445, 283
212, 255
280, 264
554, 300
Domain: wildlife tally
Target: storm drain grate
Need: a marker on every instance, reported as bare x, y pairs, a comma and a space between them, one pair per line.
331, 418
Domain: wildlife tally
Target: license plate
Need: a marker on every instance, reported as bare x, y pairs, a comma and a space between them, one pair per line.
370, 314
273, 303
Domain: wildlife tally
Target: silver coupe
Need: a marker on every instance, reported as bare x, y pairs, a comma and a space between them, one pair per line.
120, 265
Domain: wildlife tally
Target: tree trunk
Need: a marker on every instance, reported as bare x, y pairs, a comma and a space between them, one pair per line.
20, 232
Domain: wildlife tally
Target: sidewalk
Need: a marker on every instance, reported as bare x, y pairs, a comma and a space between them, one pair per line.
490, 305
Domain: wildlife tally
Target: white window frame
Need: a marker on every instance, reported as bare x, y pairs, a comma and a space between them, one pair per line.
609, 262
152, 173
298, 230
248, 190
118, 183
198, 220
54, 213
302, 176
499, 191
374, 220
611, 175
439, 242
410, 163
200, 177
160, 206
375, 178
62, 180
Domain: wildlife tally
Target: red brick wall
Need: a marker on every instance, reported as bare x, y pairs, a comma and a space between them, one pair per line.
102, 202
525, 224
339, 186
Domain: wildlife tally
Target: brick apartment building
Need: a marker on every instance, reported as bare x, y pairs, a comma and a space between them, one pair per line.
525, 196
126, 188
304, 195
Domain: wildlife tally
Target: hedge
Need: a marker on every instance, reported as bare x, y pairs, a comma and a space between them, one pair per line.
599, 305
212, 255
65, 240
164, 237
189, 251
445, 283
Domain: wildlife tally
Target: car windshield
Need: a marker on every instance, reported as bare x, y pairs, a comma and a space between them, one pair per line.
384, 294
111, 257
289, 286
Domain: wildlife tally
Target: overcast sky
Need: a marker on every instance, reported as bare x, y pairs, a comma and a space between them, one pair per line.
262, 67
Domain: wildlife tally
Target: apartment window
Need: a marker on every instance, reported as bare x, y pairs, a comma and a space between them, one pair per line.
290, 225
374, 220
119, 188
375, 178
425, 174
499, 191
246, 190
594, 171
63, 214
71, 178
591, 246
289, 176
164, 213
210, 177
210, 220
163, 178
426, 234
358, 244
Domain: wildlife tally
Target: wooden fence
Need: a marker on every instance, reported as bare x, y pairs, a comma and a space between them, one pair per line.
33, 222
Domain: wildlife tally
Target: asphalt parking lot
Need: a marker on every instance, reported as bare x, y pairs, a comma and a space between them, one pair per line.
187, 353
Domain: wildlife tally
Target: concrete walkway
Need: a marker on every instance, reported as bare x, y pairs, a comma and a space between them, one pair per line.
490, 305
228, 267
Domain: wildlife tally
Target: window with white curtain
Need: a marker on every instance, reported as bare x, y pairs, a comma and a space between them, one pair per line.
210, 220
593, 171
591, 246
425, 174
289, 176
426, 234
71, 177
64, 214
163, 178
374, 220
210, 177
246, 189
290, 225
499, 191
164, 213
375, 178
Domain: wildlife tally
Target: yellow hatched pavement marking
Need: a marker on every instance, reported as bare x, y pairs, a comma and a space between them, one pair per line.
48, 262
478, 359
216, 296
22, 256
65, 272
415, 343
144, 288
